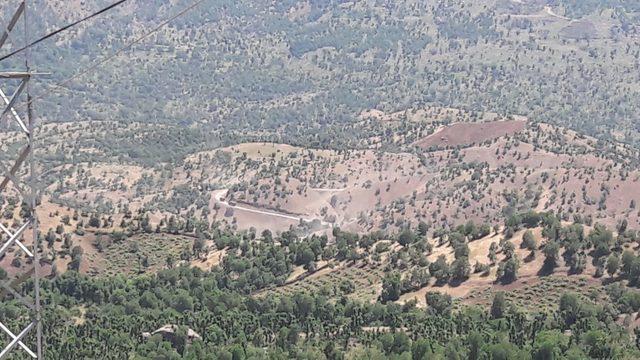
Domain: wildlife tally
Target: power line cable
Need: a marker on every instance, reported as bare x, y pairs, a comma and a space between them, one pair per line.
64, 28
122, 49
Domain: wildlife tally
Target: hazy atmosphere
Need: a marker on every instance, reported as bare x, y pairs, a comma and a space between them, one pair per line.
320, 179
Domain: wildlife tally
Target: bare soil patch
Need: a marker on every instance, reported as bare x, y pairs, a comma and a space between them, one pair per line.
471, 133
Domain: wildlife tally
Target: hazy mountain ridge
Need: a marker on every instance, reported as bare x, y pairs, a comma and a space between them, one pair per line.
303, 69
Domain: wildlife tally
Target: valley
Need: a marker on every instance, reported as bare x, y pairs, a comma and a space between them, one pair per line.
121, 216
324, 179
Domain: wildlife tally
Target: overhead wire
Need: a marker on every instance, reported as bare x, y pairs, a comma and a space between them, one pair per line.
62, 29
121, 50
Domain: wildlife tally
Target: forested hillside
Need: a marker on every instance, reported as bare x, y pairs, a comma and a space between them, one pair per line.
299, 70
332, 179
184, 312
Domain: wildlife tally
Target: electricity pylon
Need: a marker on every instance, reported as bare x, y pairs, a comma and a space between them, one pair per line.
20, 180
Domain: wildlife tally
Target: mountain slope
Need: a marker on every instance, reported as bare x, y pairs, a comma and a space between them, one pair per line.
298, 71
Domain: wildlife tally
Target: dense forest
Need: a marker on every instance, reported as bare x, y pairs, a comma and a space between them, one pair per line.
221, 313
311, 326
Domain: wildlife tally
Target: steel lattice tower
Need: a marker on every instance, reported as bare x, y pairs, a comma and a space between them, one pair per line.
19, 178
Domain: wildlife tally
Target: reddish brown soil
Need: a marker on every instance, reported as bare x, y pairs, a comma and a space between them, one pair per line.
471, 133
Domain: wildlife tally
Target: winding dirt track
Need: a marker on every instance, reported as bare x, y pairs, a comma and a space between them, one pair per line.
219, 195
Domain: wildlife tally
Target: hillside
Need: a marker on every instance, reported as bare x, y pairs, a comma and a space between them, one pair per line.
442, 173
482, 178
302, 71
328, 179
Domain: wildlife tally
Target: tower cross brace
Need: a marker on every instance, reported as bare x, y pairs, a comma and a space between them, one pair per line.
20, 179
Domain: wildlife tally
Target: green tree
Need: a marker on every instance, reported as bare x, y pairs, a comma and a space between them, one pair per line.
628, 258
439, 304
406, 237
391, 285
423, 228
440, 270
508, 249
476, 342
499, 305
460, 269
508, 270
529, 241
94, 220
613, 264
493, 249
421, 349
549, 345
550, 252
